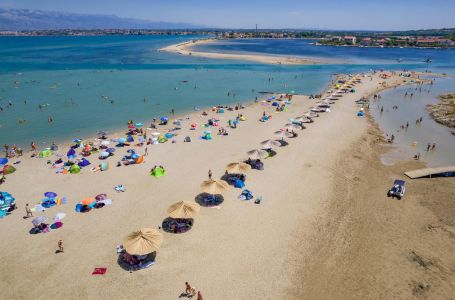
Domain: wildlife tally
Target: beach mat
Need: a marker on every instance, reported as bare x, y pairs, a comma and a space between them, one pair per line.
99, 271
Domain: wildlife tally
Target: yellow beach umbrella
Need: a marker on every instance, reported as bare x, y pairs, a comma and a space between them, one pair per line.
238, 167
143, 241
214, 186
183, 210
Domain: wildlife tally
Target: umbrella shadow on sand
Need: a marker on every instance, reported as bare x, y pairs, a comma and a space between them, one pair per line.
172, 225
127, 267
283, 143
230, 178
209, 200
271, 152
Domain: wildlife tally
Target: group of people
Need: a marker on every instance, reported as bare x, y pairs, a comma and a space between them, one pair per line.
13, 151
190, 291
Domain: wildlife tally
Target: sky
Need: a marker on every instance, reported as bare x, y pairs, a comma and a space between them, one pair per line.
300, 14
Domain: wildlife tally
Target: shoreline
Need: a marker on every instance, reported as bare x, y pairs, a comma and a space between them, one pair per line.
293, 184
400, 47
443, 112
185, 49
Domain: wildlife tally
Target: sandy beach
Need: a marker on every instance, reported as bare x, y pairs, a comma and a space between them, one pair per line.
324, 230
186, 49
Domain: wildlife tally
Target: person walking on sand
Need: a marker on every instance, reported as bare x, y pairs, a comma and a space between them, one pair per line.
199, 295
210, 174
146, 151
60, 246
28, 211
433, 146
428, 147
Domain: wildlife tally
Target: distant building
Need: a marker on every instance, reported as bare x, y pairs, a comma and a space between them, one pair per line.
350, 40
426, 41
366, 41
446, 42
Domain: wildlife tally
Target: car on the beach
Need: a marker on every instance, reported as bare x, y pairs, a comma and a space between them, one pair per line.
398, 189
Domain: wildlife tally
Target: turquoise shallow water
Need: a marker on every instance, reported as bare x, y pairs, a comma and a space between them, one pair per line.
409, 110
76, 78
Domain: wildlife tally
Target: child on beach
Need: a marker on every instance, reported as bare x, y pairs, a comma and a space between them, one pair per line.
28, 211
60, 246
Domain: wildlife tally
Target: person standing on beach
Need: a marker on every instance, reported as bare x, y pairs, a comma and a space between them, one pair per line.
433, 146
28, 211
187, 288
172, 112
60, 247
33, 146
146, 151
210, 174
428, 147
199, 295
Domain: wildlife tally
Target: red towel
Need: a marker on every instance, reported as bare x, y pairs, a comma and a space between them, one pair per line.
99, 271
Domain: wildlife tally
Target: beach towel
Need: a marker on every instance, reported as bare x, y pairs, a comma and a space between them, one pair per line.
99, 271
120, 188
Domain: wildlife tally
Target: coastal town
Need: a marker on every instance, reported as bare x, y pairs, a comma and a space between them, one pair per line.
389, 41
444, 38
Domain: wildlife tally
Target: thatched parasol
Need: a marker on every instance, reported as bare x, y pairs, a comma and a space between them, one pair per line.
183, 210
269, 144
214, 186
238, 167
143, 242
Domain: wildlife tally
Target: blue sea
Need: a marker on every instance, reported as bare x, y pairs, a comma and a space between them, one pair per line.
86, 84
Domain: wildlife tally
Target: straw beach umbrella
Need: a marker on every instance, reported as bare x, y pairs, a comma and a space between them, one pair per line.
291, 126
183, 210
269, 144
143, 241
238, 167
257, 154
283, 133
214, 186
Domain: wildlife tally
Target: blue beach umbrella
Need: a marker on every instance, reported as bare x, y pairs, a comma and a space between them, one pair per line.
138, 124
122, 140
71, 153
164, 119
104, 154
110, 150
6, 198
3, 160
50, 195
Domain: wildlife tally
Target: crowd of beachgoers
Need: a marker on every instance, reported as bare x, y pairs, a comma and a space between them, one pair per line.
134, 146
